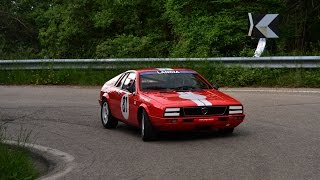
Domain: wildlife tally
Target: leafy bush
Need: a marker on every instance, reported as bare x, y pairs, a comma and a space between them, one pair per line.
151, 28
214, 72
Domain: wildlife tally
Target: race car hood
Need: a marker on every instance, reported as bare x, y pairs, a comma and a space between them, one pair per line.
194, 98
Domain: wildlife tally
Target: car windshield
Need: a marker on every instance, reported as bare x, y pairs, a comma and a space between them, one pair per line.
171, 81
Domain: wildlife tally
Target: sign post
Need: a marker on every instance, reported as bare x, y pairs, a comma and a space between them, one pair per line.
263, 27
260, 48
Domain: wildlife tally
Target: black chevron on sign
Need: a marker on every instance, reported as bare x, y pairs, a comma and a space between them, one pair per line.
263, 25
256, 33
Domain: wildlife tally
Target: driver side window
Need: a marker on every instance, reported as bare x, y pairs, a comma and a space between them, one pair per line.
129, 83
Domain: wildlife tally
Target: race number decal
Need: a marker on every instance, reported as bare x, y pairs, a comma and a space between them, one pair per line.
200, 100
125, 106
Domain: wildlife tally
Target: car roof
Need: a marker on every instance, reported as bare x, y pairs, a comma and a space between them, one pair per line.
163, 69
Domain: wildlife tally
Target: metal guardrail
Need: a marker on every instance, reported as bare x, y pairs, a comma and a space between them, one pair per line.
252, 62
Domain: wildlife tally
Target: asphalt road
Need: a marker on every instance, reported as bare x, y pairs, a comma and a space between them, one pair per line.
280, 138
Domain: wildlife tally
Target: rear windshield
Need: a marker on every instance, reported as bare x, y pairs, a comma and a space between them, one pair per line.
171, 80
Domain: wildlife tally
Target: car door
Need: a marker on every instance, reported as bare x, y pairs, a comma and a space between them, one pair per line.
128, 100
115, 97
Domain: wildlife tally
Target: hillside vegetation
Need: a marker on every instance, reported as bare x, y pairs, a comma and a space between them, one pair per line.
151, 28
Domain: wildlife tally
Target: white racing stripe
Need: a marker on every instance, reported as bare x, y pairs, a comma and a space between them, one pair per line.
200, 100
206, 102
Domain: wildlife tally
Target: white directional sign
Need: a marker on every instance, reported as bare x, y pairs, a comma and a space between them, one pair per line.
263, 26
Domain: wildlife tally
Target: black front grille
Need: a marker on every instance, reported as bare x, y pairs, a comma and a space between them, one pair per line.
204, 111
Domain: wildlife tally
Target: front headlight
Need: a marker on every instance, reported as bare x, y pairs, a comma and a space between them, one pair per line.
235, 109
172, 112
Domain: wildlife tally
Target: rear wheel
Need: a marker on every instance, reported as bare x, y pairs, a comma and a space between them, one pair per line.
147, 131
107, 120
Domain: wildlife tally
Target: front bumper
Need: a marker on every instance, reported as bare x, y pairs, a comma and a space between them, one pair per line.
196, 123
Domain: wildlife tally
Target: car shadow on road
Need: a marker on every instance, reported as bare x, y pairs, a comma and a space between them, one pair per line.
130, 130
184, 136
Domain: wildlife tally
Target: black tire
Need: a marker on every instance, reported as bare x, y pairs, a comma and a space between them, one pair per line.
108, 121
147, 131
227, 131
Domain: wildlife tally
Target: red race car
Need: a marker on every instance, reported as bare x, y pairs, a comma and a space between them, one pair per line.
167, 99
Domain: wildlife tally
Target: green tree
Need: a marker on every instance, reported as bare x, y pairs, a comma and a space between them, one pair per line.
18, 33
150, 28
212, 28
301, 26
66, 29
132, 29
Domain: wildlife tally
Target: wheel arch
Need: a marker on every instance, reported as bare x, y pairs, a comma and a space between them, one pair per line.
105, 96
140, 109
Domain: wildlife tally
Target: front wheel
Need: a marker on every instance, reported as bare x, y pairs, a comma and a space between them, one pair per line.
108, 121
147, 131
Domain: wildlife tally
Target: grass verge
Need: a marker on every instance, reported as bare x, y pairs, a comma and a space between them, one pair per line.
216, 73
15, 161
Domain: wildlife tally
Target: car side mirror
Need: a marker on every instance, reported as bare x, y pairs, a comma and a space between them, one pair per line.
130, 89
